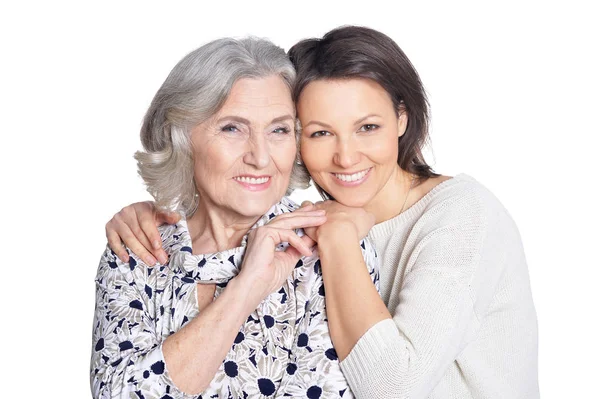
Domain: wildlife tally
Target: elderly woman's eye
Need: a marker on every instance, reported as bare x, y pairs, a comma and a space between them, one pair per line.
320, 133
368, 127
229, 128
282, 130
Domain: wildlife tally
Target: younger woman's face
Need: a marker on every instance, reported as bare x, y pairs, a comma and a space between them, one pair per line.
349, 140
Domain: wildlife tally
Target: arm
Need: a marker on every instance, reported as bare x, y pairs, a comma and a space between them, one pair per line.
407, 355
194, 354
136, 226
313, 350
128, 356
353, 303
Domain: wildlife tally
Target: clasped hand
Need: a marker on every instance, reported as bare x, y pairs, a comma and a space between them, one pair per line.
341, 219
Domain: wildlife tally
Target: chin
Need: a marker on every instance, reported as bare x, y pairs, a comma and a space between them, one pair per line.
352, 202
257, 208
355, 201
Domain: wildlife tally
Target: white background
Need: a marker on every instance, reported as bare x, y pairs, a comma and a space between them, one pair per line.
514, 91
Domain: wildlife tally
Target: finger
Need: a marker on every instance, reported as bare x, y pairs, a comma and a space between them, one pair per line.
134, 244
307, 207
114, 242
296, 214
306, 204
150, 231
300, 221
311, 232
292, 254
293, 240
319, 205
308, 241
145, 241
303, 210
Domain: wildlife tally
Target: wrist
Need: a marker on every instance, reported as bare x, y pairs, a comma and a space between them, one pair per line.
337, 231
247, 292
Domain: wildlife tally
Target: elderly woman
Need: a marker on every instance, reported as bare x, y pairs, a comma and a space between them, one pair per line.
455, 318
238, 310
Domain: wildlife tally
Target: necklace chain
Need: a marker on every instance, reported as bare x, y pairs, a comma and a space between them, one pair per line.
412, 180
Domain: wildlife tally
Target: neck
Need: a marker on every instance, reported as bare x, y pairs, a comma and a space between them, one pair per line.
389, 200
214, 229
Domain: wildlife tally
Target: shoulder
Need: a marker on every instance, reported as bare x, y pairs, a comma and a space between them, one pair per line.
464, 199
112, 272
463, 215
462, 227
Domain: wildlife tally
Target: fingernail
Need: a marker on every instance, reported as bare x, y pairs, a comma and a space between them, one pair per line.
163, 259
125, 259
150, 261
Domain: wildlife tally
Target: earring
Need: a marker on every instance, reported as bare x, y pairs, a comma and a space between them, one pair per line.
196, 202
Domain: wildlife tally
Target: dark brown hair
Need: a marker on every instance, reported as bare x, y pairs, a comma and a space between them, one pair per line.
351, 52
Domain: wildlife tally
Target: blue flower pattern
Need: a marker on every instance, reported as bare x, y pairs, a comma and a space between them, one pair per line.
282, 350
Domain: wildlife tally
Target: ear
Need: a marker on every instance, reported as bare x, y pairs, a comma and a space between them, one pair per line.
402, 120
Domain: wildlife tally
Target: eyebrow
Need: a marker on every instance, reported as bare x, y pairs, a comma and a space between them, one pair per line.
247, 122
365, 118
282, 118
355, 123
318, 123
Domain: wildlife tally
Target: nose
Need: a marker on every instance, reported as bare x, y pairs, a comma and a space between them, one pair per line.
258, 154
346, 154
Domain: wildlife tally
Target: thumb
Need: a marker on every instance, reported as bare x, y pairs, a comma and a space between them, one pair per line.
292, 256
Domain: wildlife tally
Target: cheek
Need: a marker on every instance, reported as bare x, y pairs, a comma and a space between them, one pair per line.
284, 155
384, 147
314, 155
215, 159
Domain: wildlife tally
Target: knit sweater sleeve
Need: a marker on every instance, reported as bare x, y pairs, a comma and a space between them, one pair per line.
454, 244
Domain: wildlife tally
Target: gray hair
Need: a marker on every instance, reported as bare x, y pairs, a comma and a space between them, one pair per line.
193, 92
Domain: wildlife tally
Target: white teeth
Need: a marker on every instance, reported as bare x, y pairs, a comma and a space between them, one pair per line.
252, 180
353, 177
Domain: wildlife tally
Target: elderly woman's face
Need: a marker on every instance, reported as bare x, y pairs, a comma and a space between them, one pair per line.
243, 155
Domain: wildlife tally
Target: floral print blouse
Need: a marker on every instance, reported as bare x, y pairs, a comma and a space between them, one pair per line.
282, 350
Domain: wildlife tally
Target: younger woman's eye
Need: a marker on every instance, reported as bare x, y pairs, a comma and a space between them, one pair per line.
320, 133
368, 127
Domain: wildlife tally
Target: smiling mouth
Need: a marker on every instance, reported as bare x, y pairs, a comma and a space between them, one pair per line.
254, 183
352, 177
252, 180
